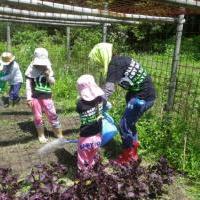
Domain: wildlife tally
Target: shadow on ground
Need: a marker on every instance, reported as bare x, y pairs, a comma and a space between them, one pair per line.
24, 113
25, 133
112, 149
68, 159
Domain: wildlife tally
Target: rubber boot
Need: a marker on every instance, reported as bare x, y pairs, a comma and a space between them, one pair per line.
134, 154
16, 101
41, 135
125, 157
1, 102
58, 132
6, 101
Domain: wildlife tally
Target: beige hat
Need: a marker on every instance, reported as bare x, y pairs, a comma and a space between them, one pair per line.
7, 58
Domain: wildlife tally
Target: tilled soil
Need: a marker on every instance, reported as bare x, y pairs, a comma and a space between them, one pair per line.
18, 139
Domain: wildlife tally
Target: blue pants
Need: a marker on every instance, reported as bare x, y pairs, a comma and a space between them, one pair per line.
134, 110
14, 91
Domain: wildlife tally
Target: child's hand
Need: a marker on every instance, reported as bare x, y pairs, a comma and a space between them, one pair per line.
108, 105
30, 103
47, 72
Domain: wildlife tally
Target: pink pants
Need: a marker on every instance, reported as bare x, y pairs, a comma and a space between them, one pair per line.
46, 105
88, 148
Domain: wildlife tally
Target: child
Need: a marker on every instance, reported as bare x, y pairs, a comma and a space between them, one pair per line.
39, 77
12, 74
140, 96
90, 107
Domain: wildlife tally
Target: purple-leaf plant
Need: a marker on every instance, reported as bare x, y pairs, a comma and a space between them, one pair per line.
9, 184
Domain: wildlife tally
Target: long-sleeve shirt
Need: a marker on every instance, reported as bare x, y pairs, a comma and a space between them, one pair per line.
130, 75
12, 74
91, 116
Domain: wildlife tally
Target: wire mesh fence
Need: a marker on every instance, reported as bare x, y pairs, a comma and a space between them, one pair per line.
187, 91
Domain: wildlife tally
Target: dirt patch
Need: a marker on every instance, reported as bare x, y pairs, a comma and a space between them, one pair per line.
18, 139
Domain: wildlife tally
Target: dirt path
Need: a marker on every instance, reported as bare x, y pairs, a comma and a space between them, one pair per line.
18, 140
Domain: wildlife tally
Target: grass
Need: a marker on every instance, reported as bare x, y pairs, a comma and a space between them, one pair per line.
191, 188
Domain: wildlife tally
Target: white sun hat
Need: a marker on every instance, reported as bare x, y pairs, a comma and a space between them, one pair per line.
40, 59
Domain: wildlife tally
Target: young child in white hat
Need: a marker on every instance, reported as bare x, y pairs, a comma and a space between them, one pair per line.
39, 77
90, 107
11, 73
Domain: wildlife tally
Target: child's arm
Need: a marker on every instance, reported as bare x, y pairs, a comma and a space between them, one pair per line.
28, 89
78, 107
50, 79
28, 92
106, 105
12, 74
109, 88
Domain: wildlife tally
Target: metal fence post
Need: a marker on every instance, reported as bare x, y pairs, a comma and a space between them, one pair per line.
8, 37
104, 39
175, 64
68, 44
105, 24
